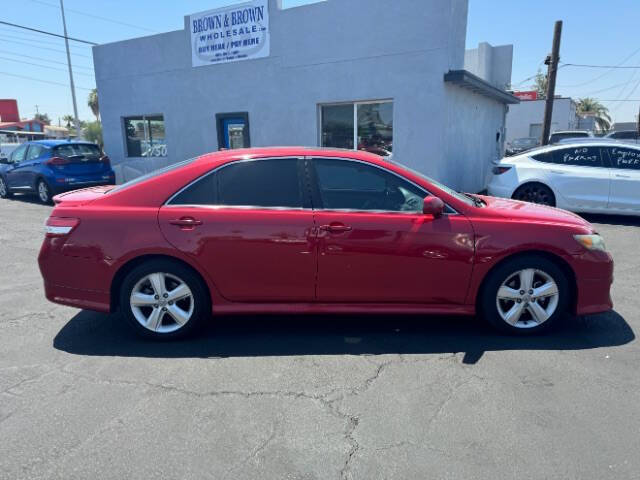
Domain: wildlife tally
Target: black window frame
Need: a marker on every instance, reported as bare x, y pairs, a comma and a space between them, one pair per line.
317, 197
303, 186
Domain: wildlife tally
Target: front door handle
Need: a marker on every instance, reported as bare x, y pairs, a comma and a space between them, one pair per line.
336, 228
186, 222
618, 175
558, 172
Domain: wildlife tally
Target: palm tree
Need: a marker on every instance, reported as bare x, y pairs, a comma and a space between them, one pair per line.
599, 112
92, 102
69, 119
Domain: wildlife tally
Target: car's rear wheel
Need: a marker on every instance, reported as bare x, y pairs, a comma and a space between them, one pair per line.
526, 295
4, 189
44, 192
162, 299
535, 193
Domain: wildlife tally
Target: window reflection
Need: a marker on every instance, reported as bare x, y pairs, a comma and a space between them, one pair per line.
337, 126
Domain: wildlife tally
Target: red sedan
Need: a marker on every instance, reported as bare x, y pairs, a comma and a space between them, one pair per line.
295, 230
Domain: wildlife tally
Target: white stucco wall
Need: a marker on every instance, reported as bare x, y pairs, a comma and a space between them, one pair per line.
523, 115
332, 51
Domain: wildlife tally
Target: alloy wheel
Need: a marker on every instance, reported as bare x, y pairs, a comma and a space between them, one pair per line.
43, 192
535, 194
162, 302
3, 188
527, 298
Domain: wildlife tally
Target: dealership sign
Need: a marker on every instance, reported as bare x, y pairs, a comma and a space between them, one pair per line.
230, 34
530, 95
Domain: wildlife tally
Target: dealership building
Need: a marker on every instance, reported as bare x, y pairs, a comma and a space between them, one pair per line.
392, 78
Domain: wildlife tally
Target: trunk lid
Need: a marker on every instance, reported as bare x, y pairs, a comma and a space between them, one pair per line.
83, 196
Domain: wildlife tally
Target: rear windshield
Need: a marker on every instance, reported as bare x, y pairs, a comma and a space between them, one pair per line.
77, 149
155, 173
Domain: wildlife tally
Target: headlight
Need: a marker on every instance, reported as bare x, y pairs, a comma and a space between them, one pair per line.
591, 242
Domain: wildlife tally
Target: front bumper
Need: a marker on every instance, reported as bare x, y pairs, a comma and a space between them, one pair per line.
594, 278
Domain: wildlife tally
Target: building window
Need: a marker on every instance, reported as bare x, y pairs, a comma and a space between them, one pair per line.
145, 136
363, 126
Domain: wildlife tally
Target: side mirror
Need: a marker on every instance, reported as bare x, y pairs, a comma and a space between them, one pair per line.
4, 160
433, 206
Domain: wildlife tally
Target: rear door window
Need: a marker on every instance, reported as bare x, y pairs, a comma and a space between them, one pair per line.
35, 151
624, 158
270, 183
574, 156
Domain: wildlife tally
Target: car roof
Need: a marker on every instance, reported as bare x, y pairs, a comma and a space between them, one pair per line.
54, 143
229, 155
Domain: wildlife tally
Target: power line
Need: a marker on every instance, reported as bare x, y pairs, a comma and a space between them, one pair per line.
44, 66
42, 81
599, 66
35, 40
7, 52
46, 33
595, 79
47, 48
98, 17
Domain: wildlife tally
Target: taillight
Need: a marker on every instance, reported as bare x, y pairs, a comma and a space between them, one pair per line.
57, 161
60, 226
104, 159
500, 170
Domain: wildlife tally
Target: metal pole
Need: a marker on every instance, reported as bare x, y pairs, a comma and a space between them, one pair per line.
551, 82
73, 88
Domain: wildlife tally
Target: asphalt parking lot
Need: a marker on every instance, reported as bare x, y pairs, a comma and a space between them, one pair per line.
313, 397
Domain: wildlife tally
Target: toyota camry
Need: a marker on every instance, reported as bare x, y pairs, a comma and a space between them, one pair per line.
297, 230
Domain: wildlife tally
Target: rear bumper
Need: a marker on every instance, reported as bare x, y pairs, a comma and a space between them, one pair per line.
85, 299
594, 278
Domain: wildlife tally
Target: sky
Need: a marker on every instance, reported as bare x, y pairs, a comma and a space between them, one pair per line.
33, 68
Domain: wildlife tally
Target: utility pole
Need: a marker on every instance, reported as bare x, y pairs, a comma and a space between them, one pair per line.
552, 73
73, 88
37, 111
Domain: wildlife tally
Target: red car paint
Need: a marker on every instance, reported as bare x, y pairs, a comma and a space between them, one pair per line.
259, 260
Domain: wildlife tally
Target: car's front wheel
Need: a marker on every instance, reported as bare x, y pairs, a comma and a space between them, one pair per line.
162, 299
526, 295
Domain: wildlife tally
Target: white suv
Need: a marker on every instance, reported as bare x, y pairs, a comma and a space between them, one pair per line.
594, 177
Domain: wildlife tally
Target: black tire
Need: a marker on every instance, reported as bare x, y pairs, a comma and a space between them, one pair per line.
535, 193
4, 189
200, 298
488, 303
43, 191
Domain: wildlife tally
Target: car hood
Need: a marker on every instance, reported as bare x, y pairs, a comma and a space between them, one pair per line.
516, 210
82, 196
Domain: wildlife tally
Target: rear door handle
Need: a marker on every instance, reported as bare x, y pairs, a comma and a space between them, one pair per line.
336, 228
186, 222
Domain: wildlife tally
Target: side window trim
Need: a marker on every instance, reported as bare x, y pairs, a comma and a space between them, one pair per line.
315, 188
303, 188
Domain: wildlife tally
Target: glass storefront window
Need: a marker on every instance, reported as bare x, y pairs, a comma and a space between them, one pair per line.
145, 136
363, 126
337, 126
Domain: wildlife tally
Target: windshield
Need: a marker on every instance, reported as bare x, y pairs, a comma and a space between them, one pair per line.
525, 142
471, 201
155, 173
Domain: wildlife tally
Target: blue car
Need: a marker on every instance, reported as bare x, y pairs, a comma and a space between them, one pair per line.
49, 167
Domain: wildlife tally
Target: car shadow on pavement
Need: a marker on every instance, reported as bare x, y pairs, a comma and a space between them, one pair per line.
619, 220
90, 333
